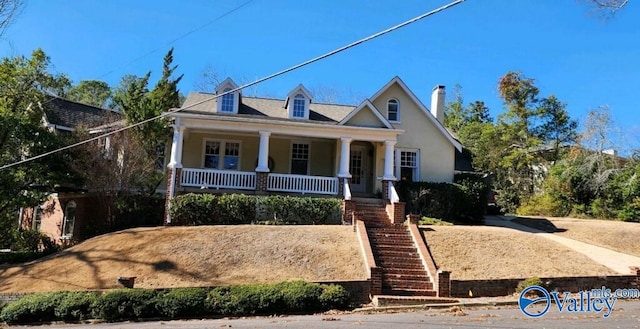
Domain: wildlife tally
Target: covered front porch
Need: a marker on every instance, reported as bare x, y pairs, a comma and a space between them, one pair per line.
225, 154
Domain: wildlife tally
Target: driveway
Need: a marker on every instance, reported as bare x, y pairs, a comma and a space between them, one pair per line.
614, 260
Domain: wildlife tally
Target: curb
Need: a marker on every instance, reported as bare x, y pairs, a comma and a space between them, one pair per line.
436, 306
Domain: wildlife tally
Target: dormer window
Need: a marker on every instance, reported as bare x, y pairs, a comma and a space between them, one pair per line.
393, 110
297, 103
298, 106
228, 102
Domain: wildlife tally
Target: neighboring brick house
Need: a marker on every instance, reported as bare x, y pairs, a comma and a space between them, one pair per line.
69, 207
294, 145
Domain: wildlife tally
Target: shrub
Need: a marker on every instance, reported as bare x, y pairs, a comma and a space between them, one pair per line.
126, 304
75, 306
433, 221
183, 302
298, 210
284, 297
236, 208
33, 241
33, 308
543, 205
206, 209
446, 201
476, 190
533, 281
334, 297
193, 209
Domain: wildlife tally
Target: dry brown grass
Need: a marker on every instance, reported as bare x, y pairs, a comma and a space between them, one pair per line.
620, 236
479, 252
195, 256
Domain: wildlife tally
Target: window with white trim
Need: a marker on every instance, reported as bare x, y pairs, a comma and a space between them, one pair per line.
299, 103
300, 158
69, 219
219, 154
393, 110
227, 102
407, 165
37, 218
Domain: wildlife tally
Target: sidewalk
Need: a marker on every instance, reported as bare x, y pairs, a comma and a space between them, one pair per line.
614, 260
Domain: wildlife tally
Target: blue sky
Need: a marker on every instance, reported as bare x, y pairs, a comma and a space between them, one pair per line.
569, 49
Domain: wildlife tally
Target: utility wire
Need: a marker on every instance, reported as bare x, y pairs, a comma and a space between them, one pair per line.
292, 68
179, 37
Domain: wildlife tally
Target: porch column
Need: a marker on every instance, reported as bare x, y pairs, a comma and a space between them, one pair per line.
389, 147
263, 153
345, 151
176, 145
175, 167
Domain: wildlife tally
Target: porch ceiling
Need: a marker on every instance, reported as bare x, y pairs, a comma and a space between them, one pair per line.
290, 127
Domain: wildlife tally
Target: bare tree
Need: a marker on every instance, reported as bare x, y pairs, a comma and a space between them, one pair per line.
608, 7
9, 9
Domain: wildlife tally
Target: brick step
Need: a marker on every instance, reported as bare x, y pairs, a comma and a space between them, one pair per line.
389, 229
386, 287
378, 241
396, 253
415, 277
400, 265
402, 285
420, 283
408, 292
391, 239
395, 247
388, 232
385, 242
391, 271
388, 300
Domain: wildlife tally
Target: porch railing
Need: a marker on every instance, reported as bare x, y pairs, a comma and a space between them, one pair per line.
216, 179
393, 194
302, 184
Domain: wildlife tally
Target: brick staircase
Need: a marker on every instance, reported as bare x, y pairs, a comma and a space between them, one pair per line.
403, 273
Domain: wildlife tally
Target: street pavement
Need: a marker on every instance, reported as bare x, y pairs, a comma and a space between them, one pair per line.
625, 315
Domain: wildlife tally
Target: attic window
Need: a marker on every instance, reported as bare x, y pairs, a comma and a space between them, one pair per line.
299, 103
227, 102
393, 110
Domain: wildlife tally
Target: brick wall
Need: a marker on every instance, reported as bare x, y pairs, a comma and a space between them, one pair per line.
348, 207
376, 281
360, 290
504, 287
261, 182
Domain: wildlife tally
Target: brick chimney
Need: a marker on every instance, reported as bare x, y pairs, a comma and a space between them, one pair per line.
437, 103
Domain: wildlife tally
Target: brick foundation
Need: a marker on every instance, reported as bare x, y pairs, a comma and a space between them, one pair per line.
395, 211
385, 190
376, 281
444, 284
348, 207
261, 182
168, 195
413, 218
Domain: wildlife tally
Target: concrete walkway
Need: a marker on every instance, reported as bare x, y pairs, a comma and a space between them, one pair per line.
614, 260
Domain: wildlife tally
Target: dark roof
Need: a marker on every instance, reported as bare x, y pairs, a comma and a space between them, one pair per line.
463, 161
205, 103
63, 112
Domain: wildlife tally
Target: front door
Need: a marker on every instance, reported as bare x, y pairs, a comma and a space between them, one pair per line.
357, 169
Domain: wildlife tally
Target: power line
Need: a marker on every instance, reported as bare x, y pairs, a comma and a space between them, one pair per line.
279, 73
184, 35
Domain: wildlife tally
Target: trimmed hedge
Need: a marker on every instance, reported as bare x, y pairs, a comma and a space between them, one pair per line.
232, 209
131, 304
126, 304
463, 200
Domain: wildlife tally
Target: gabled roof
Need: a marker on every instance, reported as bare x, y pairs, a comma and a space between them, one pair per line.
206, 103
425, 110
62, 112
300, 89
367, 104
228, 82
